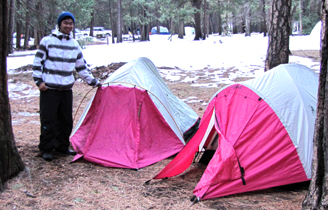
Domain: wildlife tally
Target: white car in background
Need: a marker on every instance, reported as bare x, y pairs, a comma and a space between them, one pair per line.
99, 32
78, 33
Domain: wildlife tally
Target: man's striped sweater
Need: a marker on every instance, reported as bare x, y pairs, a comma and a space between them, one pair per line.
58, 56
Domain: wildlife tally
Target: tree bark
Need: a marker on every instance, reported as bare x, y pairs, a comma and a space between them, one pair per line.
132, 27
27, 26
92, 23
119, 23
219, 17
211, 20
317, 197
112, 20
235, 24
38, 34
301, 22
171, 24
11, 26
157, 17
198, 30
247, 19
205, 21
18, 28
145, 28
181, 29
10, 161
264, 29
278, 49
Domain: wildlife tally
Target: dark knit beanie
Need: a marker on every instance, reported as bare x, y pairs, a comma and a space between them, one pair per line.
63, 15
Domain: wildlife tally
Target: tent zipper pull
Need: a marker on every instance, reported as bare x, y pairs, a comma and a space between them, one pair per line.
242, 172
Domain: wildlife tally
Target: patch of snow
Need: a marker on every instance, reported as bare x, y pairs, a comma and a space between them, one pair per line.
210, 59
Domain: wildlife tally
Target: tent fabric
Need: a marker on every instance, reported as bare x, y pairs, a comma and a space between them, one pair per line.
316, 31
143, 73
295, 107
265, 128
162, 30
189, 31
124, 127
128, 140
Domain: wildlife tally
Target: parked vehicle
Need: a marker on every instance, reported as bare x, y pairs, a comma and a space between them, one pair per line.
129, 37
78, 33
99, 32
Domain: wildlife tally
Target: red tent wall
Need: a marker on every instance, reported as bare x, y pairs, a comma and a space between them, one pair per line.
124, 128
251, 133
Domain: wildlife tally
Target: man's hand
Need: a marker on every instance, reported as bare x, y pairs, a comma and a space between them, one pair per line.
43, 87
98, 84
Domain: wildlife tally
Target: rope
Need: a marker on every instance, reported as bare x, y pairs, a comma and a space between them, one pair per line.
81, 103
306, 54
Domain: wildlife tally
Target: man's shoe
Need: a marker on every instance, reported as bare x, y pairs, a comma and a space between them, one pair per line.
67, 152
47, 156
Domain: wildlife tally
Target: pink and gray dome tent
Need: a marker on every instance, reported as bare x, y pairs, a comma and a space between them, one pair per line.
261, 132
133, 120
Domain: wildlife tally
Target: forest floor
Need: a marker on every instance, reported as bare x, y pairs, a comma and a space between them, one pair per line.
61, 184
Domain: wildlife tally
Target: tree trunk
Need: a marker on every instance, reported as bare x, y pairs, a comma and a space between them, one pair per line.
278, 49
119, 21
205, 21
132, 27
18, 28
157, 18
11, 26
112, 21
181, 29
318, 10
92, 23
292, 14
264, 29
171, 24
27, 26
301, 11
235, 26
122, 21
248, 19
219, 17
145, 29
10, 161
198, 30
211, 20
38, 34
317, 197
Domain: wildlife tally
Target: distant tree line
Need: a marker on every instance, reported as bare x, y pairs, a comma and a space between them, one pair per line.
36, 18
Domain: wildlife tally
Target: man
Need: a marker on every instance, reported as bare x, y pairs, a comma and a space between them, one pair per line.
58, 56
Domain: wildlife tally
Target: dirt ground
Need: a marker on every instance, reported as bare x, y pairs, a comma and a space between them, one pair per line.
61, 184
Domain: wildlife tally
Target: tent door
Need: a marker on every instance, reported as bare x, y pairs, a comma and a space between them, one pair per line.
209, 140
208, 132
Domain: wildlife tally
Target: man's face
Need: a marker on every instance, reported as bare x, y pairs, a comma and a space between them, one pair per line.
66, 26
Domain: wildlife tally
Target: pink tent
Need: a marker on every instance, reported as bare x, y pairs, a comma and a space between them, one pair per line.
134, 120
261, 131
123, 128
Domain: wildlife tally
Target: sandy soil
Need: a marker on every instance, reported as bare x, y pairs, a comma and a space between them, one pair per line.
82, 185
